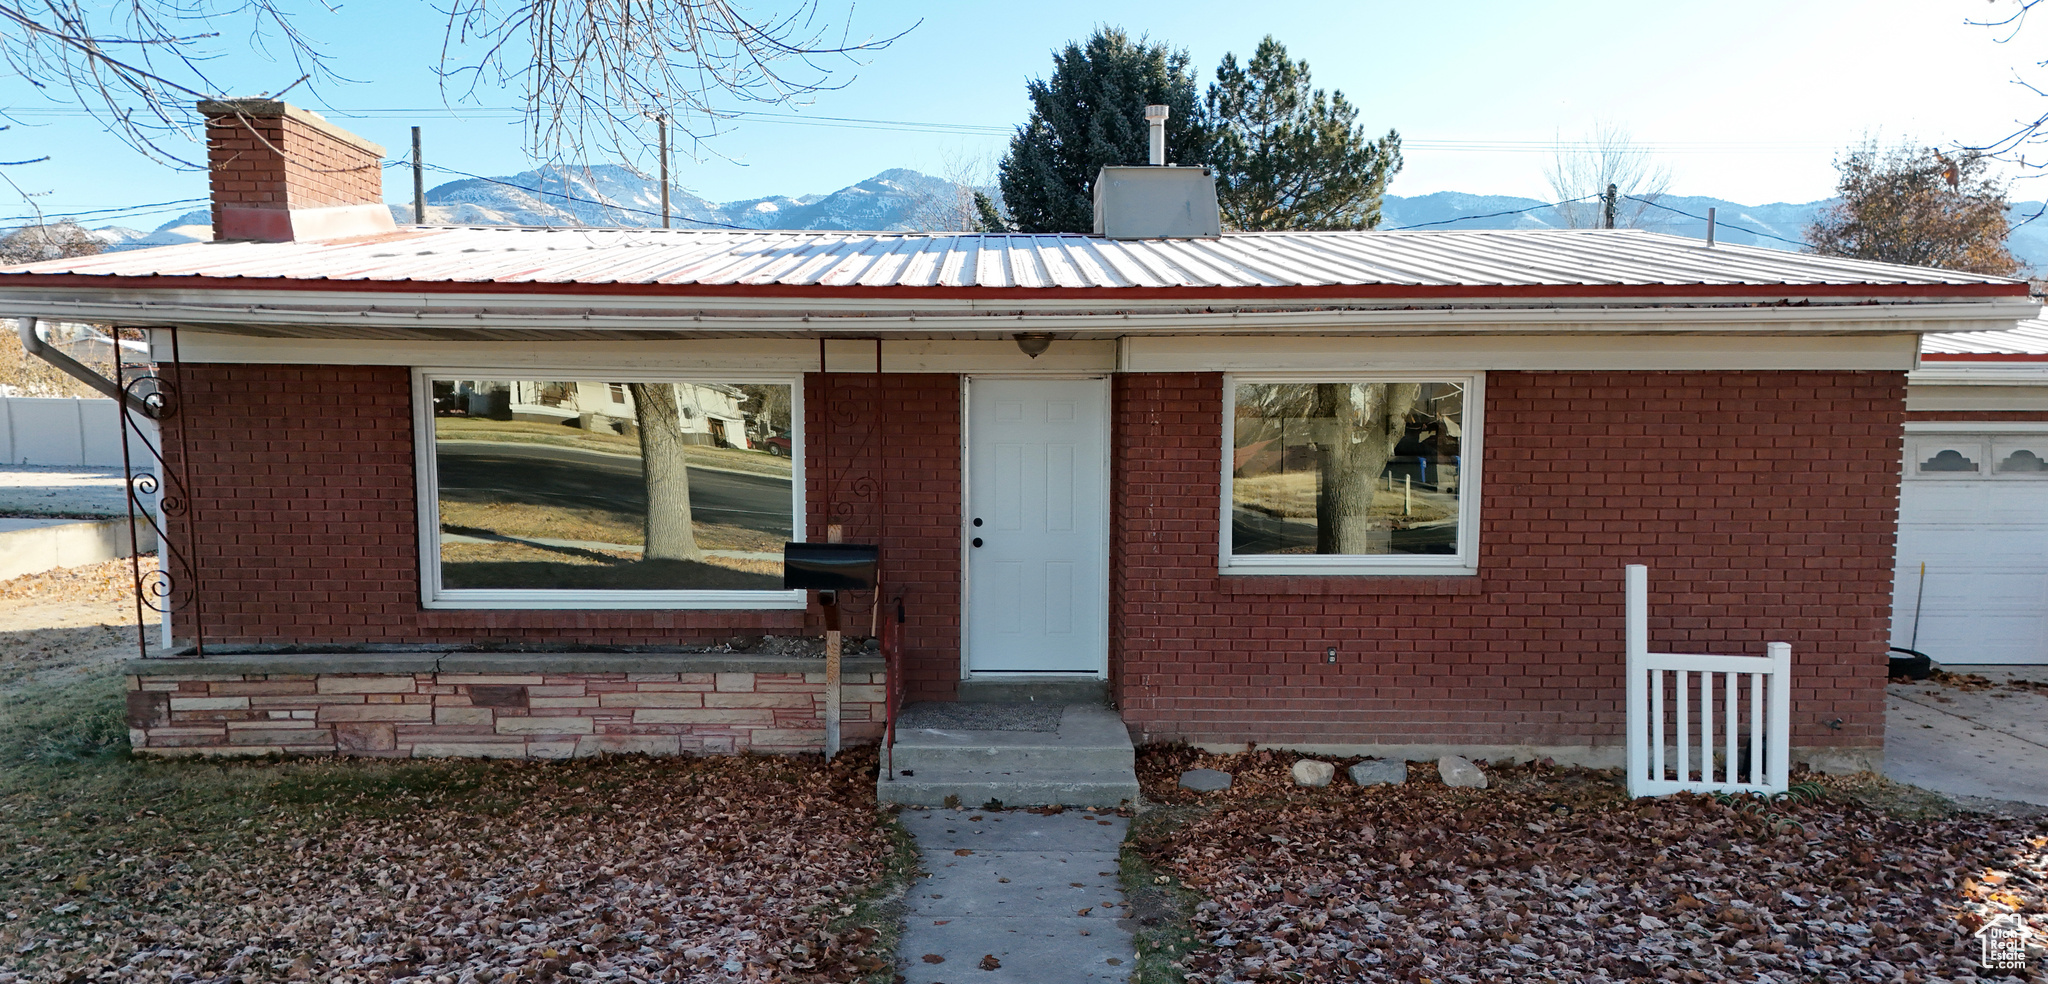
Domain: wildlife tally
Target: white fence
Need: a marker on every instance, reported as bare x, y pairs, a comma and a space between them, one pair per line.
64, 431
1754, 751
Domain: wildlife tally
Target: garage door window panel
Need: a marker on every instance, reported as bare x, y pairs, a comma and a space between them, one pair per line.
2028, 460
614, 491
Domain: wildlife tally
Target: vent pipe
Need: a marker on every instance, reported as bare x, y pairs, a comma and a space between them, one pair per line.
1156, 116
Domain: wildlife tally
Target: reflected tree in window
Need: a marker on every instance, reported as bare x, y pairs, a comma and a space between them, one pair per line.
1362, 424
590, 485
1345, 468
669, 535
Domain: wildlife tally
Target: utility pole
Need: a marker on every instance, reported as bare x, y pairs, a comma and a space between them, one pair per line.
661, 125
419, 184
1607, 206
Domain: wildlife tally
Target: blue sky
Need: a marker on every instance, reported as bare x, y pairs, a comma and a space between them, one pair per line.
1748, 101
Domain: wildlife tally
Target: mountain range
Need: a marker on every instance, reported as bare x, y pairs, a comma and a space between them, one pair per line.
900, 199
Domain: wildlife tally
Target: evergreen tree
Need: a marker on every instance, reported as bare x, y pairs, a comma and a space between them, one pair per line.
1289, 156
1091, 113
1917, 205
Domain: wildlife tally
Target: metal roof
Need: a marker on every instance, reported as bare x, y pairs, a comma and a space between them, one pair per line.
825, 260
2026, 338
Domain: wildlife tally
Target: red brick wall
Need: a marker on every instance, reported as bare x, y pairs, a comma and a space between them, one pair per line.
282, 162
303, 488
1764, 503
893, 464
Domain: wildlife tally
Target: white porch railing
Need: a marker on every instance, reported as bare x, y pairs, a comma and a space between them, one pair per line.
1754, 750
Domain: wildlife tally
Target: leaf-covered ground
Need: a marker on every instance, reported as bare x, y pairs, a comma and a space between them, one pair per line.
627, 869
1555, 875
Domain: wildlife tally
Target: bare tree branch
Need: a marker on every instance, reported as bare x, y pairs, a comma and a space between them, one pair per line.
1608, 155
594, 72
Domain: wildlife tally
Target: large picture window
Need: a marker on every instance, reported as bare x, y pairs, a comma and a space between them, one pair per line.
608, 491
1350, 475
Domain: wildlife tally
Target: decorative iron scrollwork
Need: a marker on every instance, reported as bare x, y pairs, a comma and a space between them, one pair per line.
172, 587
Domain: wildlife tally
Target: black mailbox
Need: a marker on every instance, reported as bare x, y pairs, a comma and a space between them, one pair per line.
829, 566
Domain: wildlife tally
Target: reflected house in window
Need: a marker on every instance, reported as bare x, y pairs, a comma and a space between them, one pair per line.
553, 490
707, 413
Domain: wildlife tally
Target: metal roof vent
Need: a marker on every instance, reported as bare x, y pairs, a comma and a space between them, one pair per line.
1157, 202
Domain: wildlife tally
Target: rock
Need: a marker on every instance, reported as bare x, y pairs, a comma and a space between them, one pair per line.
1459, 771
1376, 772
1309, 772
1204, 780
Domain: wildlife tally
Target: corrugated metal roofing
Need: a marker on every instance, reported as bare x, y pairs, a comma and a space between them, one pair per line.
1502, 258
2026, 338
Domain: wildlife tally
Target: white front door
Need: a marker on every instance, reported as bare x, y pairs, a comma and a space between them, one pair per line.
1037, 526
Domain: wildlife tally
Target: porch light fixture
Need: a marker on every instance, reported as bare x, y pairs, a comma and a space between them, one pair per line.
1033, 343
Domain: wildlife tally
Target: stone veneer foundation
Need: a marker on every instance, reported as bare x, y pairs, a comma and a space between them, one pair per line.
428, 705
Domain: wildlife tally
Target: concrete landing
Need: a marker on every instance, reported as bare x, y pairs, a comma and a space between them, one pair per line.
1977, 746
1039, 894
1030, 754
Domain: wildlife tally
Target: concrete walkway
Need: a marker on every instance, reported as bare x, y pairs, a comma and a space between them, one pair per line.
1039, 894
1979, 747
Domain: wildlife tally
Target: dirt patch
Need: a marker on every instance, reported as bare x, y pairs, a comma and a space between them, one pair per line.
1555, 873
69, 620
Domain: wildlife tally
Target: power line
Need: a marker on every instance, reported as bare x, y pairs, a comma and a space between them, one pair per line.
136, 210
1491, 215
1717, 221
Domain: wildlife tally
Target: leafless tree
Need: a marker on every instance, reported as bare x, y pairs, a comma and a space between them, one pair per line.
593, 73
1582, 170
954, 210
2009, 21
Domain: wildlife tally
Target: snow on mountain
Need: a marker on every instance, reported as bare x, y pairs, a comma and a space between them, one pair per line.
901, 199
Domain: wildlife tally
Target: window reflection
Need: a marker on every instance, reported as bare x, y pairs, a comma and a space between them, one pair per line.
580, 485
1346, 468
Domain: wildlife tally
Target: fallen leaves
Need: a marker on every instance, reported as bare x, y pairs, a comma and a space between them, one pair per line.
1422, 881
989, 962
716, 869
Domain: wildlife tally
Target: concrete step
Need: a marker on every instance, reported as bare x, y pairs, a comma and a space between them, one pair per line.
1014, 787
1043, 690
1024, 754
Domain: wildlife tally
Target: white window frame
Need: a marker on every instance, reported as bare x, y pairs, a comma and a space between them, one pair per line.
427, 485
1464, 562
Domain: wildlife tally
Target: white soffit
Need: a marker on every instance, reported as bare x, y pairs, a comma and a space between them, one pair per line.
1534, 352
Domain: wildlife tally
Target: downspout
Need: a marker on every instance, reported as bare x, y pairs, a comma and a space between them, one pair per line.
80, 371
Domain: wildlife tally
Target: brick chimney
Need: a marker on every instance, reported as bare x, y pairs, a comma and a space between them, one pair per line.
282, 174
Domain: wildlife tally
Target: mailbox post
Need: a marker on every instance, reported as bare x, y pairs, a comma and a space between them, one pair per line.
829, 568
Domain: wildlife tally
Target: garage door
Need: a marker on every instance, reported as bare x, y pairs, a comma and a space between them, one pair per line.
1974, 509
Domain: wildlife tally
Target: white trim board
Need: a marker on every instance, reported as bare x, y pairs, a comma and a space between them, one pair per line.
1534, 352
1130, 354
1976, 427
1977, 397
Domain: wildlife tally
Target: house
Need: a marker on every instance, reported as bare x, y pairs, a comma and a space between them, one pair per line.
1365, 492
1973, 506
